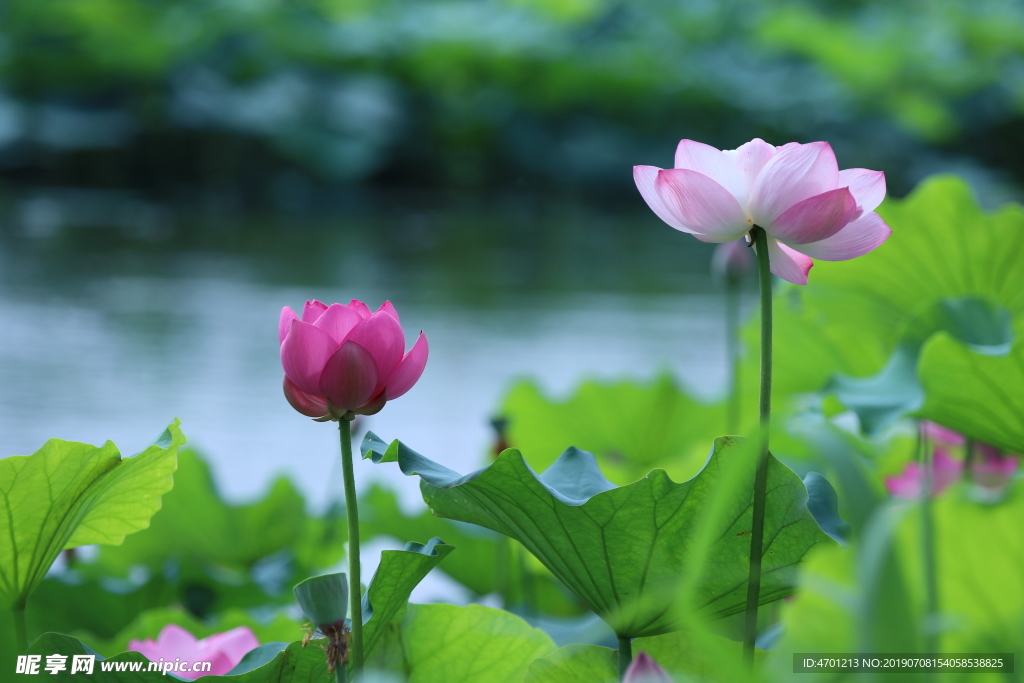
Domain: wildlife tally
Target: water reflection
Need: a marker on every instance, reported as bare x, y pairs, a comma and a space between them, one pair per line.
110, 335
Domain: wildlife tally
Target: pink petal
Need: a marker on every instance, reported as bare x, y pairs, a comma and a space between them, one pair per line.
304, 354
220, 664
794, 174
308, 405
173, 642
359, 307
643, 669
235, 644
338, 320
788, 264
409, 370
751, 158
856, 239
945, 470
701, 203
313, 310
868, 187
285, 323
349, 377
816, 218
943, 435
645, 178
388, 308
713, 163
907, 484
382, 336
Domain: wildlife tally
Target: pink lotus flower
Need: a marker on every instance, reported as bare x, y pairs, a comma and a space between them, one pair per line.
946, 471
223, 650
341, 359
643, 669
808, 207
943, 435
994, 469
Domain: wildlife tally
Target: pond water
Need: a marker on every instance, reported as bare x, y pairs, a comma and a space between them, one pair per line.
112, 327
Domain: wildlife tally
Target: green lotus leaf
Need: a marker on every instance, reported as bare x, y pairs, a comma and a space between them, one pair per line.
471, 644
232, 536
399, 572
630, 427
70, 494
622, 550
475, 566
976, 394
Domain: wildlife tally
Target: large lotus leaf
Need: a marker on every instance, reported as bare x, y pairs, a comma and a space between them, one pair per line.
622, 550
475, 565
630, 427
234, 536
471, 644
948, 267
69, 494
976, 394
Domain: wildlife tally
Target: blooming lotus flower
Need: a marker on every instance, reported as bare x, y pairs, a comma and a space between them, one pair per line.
806, 205
342, 359
946, 471
223, 650
643, 669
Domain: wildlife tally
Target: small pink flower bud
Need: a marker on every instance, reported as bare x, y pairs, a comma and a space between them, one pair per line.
342, 360
643, 669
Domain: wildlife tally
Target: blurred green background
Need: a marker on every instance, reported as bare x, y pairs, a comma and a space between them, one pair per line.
173, 172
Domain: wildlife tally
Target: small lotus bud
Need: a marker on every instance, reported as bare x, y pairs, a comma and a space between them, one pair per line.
644, 669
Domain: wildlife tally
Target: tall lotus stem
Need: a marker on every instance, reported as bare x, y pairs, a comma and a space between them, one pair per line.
928, 542
760, 240
352, 510
625, 655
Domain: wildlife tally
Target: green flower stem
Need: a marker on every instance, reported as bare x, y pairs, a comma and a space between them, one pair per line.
340, 673
732, 328
625, 655
352, 509
928, 545
20, 631
761, 474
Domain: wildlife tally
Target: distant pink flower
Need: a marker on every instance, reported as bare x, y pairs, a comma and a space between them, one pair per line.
732, 260
993, 469
808, 207
908, 484
943, 435
223, 650
342, 358
643, 669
